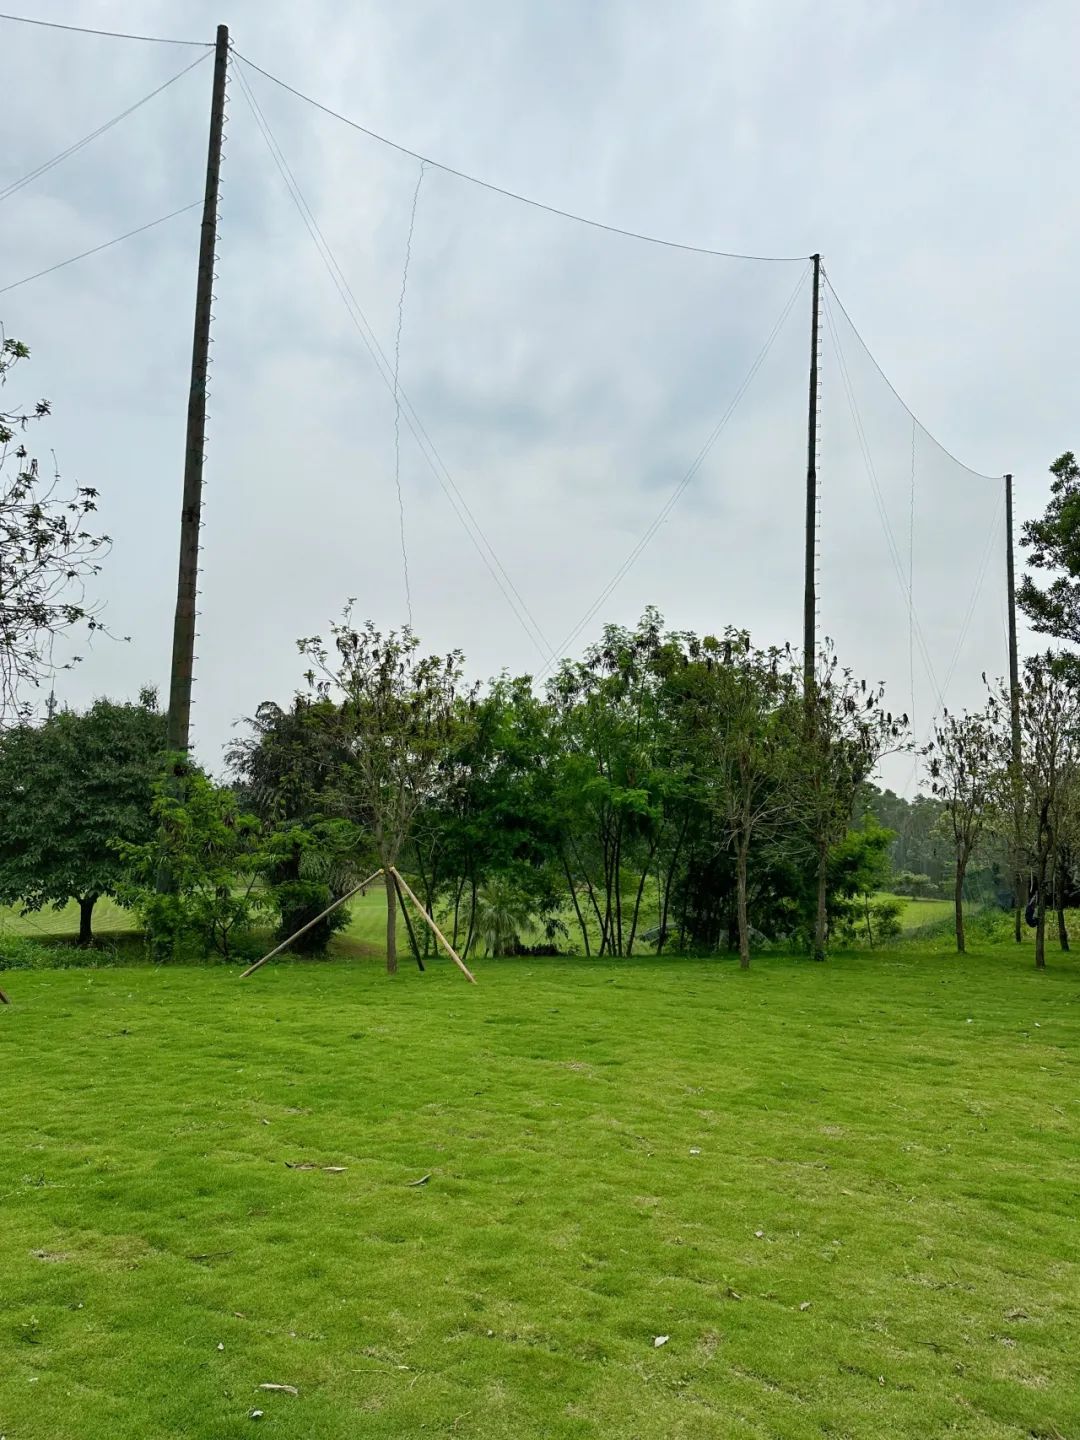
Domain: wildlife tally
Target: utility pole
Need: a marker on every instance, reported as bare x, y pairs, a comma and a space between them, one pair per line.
810, 592
1014, 701
183, 649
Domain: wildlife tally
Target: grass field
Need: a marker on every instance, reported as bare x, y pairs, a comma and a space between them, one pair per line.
847, 1194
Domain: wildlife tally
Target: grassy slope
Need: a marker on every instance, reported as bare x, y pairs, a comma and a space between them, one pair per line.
888, 1138
917, 913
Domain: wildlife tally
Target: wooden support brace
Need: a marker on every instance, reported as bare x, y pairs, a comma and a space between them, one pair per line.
431, 923
303, 928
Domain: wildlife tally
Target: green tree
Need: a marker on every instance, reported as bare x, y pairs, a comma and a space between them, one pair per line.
284, 763
966, 768
740, 724
398, 716
47, 554
503, 913
72, 787
1054, 543
846, 732
613, 777
215, 857
1049, 769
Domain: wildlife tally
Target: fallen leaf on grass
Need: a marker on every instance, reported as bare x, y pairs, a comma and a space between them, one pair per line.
283, 1389
805, 1305
414, 1183
695, 1149
256, 1414
759, 1234
659, 1340
733, 1294
307, 1165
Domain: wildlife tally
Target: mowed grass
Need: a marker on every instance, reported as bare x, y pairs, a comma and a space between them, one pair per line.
847, 1193
917, 913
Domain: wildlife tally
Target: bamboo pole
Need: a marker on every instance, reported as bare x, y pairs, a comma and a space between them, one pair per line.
430, 922
286, 943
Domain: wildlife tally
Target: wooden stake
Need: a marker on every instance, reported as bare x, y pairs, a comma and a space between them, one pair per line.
4, 999
430, 922
303, 928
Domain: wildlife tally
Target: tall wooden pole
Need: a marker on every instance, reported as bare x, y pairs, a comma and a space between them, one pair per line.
183, 650
1014, 702
810, 591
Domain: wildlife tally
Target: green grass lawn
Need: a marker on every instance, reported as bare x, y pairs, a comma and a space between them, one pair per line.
917, 913
848, 1194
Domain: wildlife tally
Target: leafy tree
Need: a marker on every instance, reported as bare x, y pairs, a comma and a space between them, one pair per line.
493, 816
284, 763
740, 726
858, 869
504, 913
965, 772
1054, 542
398, 712
614, 786
1049, 768
215, 858
47, 554
846, 732
72, 787
907, 882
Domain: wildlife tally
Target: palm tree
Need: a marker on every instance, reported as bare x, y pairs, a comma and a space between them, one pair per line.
503, 912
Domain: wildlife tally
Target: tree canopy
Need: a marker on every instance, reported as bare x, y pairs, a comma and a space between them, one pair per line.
73, 787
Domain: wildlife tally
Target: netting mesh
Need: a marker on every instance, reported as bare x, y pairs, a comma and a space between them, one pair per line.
588, 424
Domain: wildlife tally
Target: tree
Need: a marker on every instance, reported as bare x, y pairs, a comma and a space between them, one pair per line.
1054, 542
846, 732
616, 782
398, 712
741, 705
504, 912
966, 764
284, 764
47, 554
215, 859
72, 787
1049, 768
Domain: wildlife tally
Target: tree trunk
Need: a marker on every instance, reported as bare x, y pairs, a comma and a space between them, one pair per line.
958, 902
391, 923
86, 911
577, 907
744, 922
1040, 917
821, 918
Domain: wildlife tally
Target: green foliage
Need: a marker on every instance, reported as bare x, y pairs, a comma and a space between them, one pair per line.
906, 882
305, 869
397, 722
72, 788
213, 856
504, 912
1054, 542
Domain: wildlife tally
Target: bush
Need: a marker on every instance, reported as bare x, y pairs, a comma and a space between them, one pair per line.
21, 952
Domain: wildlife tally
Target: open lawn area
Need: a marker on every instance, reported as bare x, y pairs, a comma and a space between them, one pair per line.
848, 1194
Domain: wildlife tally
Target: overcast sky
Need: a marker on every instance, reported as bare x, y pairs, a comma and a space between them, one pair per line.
567, 377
